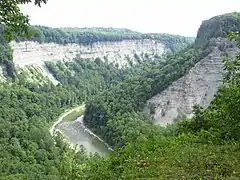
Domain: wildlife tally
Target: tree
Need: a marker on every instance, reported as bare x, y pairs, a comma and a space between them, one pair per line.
13, 20
232, 66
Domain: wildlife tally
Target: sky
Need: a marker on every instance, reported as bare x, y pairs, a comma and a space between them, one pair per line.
181, 17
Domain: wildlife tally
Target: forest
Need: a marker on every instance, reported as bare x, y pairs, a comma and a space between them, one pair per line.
203, 147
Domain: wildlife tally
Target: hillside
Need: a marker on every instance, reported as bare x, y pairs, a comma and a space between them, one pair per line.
198, 86
114, 113
201, 83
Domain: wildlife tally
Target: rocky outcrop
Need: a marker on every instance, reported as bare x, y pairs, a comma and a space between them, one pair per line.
198, 86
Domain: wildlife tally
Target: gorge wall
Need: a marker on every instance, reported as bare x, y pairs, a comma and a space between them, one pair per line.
34, 53
198, 86
118, 46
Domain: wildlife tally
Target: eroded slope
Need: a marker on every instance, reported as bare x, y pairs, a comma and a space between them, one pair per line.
198, 86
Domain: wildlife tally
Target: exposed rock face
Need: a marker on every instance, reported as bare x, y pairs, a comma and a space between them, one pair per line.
25, 53
196, 87
32, 54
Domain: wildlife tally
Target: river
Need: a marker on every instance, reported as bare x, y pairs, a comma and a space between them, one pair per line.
77, 134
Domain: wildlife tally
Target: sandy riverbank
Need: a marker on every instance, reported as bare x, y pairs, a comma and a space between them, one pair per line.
62, 116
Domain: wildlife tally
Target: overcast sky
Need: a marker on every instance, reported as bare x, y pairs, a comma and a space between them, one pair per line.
162, 16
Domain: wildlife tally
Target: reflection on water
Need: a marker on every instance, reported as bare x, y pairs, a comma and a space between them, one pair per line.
75, 134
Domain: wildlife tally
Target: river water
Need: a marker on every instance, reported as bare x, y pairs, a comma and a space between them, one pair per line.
76, 134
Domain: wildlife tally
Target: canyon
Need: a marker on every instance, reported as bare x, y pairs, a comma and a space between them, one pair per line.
198, 86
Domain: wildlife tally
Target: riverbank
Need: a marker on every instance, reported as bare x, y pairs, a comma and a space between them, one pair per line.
62, 116
80, 120
75, 133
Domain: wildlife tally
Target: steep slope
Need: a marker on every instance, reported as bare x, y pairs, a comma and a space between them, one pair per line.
27, 53
197, 87
200, 84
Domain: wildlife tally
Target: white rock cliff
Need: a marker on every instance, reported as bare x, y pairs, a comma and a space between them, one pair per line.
35, 55
198, 86
26, 53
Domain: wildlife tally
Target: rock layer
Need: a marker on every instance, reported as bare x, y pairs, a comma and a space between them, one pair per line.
26, 53
198, 86
32, 54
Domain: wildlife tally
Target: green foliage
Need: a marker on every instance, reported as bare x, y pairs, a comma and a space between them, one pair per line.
6, 53
103, 111
85, 78
13, 20
222, 116
85, 35
204, 147
174, 43
6, 59
36, 2
27, 148
171, 158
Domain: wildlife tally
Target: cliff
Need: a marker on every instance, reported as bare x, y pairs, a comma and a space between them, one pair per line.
34, 53
218, 26
121, 47
31, 56
199, 85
